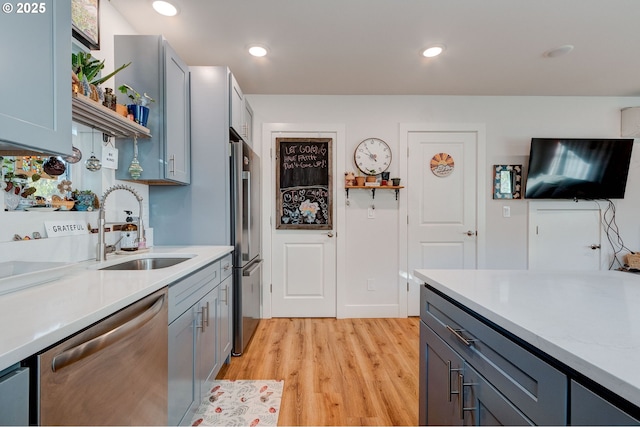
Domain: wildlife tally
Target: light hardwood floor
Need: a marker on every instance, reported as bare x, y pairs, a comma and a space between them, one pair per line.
337, 371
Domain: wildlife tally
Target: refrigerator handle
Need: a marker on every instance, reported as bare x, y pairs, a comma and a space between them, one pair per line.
252, 268
246, 176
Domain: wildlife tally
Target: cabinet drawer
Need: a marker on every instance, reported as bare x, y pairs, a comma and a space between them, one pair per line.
538, 389
226, 266
188, 291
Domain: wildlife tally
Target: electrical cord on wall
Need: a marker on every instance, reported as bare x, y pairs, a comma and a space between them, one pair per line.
613, 232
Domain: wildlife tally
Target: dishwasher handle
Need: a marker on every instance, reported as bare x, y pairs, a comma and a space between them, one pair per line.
75, 354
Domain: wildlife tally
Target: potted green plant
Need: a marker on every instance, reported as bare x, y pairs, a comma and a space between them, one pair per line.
371, 177
87, 68
138, 108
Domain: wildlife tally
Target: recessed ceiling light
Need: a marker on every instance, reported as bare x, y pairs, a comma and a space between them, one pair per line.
559, 51
258, 50
432, 51
165, 8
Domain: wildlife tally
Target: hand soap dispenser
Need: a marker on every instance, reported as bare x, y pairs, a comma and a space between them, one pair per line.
129, 234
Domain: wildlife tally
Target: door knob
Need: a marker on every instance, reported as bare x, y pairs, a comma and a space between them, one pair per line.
594, 247
470, 233
330, 234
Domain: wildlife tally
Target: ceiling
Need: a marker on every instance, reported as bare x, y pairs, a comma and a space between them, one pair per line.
373, 47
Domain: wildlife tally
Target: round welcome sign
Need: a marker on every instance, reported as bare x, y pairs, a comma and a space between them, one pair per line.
442, 164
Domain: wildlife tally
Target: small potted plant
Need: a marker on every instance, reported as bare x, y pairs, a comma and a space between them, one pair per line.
360, 180
84, 199
138, 108
371, 177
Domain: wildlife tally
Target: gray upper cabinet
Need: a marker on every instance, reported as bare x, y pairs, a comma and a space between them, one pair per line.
247, 134
157, 70
35, 106
236, 106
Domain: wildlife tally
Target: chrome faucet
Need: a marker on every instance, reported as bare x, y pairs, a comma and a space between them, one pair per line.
101, 251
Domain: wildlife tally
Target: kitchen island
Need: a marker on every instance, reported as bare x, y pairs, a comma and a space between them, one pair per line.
583, 326
39, 316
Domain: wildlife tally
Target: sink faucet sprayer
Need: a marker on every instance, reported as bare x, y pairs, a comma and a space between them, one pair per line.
101, 252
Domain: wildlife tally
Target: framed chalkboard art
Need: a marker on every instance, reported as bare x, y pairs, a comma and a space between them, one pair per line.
304, 195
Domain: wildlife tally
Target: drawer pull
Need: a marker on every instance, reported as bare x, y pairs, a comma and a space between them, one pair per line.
458, 334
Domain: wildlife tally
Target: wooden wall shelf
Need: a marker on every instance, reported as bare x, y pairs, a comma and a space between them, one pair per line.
97, 116
373, 189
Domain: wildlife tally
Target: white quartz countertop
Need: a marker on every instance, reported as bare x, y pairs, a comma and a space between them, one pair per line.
39, 316
590, 321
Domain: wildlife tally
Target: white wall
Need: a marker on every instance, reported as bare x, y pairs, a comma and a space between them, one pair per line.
510, 123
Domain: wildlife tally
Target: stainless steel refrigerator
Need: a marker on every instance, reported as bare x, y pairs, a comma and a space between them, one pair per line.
247, 264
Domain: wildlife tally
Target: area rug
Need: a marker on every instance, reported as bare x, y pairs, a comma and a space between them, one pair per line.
250, 403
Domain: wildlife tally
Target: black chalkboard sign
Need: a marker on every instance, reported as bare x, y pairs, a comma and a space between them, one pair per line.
303, 183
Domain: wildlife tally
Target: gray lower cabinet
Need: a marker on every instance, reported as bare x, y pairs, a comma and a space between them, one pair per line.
225, 303
35, 106
484, 405
181, 392
485, 377
199, 337
157, 70
473, 374
587, 408
14, 396
192, 340
438, 381
458, 394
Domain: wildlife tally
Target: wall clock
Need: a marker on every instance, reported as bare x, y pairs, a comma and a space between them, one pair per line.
372, 156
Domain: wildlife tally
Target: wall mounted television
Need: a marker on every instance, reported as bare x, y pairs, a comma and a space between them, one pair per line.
578, 168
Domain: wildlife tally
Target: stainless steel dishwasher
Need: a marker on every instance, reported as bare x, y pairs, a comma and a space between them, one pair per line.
112, 373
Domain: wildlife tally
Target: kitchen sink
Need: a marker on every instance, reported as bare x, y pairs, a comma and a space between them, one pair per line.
150, 263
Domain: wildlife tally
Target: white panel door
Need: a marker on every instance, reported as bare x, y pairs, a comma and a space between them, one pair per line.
441, 208
303, 262
564, 239
304, 274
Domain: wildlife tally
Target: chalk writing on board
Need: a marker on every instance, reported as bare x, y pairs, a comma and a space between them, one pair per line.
304, 192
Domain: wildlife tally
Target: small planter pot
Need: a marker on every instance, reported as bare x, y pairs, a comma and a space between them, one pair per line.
371, 178
84, 202
140, 113
359, 181
395, 181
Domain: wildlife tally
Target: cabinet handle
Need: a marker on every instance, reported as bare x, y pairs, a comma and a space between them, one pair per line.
172, 167
201, 325
450, 370
226, 295
205, 320
461, 386
458, 334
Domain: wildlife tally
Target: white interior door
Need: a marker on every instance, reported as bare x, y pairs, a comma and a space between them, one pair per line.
564, 239
303, 262
441, 204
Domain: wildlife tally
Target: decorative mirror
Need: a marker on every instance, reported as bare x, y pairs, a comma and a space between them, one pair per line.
507, 182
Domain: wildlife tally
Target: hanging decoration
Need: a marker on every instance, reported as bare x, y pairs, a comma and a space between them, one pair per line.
442, 165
